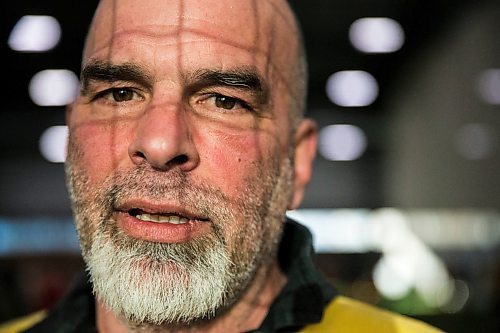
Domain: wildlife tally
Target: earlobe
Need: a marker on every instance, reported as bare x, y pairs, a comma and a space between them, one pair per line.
305, 152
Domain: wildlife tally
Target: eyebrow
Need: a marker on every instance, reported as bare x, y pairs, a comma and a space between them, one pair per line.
106, 72
244, 78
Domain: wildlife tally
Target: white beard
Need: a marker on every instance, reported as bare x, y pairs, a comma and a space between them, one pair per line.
160, 284
148, 283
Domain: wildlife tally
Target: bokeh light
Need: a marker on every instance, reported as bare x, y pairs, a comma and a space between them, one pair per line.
53, 87
376, 35
53, 143
342, 142
352, 88
35, 33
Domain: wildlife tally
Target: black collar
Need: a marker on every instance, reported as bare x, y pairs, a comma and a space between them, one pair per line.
306, 293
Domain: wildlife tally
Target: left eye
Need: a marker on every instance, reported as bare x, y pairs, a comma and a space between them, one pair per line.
122, 94
225, 102
228, 103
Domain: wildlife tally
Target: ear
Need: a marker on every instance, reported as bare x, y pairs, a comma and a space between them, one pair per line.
305, 151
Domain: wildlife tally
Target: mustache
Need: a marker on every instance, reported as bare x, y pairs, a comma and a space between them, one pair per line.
170, 186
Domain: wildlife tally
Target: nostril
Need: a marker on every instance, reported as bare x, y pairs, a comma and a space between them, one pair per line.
139, 154
137, 157
181, 159
177, 161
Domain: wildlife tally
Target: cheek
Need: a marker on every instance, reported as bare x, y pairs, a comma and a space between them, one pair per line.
233, 159
102, 148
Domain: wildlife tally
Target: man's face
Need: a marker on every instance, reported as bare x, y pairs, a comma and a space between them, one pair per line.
181, 154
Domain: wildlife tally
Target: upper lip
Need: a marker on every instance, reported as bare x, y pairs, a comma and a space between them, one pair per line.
150, 207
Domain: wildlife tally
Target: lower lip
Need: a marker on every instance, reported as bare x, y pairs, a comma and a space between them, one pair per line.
161, 232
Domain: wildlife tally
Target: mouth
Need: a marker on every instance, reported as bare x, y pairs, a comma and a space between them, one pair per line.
160, 222
171, 218
148, 211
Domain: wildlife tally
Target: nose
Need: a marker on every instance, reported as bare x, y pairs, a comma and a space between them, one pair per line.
163, 139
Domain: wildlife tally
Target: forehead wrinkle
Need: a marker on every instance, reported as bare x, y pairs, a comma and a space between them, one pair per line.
252, 47
189, 24
282, 9
139, 35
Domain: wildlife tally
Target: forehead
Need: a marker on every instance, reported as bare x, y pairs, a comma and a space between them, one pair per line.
262, 28
221, 33
204, 18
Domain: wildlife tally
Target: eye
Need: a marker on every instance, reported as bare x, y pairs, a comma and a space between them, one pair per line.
214, 102
122, 94
226, 102
119, 95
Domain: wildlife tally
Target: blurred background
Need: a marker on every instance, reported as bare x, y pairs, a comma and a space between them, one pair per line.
405, 201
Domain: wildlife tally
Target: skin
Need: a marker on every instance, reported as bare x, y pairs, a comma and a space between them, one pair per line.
175, 116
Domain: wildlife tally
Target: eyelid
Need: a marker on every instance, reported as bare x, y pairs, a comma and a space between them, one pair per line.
95, 86
243, 104
243, 96
104, 92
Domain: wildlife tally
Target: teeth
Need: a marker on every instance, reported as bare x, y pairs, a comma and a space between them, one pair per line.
174, 219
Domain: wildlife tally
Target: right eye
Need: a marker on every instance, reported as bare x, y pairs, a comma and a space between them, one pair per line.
119, 95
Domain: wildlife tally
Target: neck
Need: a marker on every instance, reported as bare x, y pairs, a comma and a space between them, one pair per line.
246, 314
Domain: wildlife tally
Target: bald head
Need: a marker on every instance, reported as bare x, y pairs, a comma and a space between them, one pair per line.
266, 30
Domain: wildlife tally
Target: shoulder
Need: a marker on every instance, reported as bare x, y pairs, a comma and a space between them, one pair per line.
23, 323
344, 315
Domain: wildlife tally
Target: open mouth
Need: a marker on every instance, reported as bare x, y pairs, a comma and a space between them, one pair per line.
171, 218
161, 222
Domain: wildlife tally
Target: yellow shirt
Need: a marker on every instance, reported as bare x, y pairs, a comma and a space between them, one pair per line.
343, 315
23, 323
346, 315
